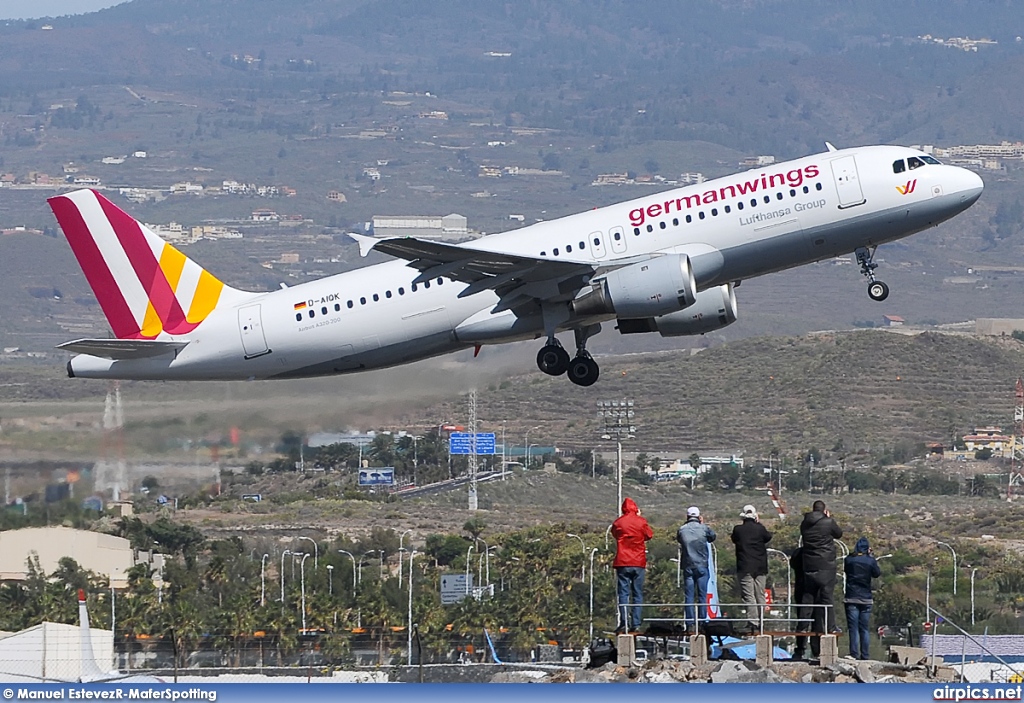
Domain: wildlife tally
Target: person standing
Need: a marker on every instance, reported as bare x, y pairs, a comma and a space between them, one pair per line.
819, 531
631, 533
694, 537
751, 539
860, 567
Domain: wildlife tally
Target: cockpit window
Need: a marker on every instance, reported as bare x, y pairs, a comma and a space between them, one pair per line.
898, 166
914, 162
930, 160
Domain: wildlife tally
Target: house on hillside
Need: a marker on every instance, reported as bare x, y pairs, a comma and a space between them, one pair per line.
893, 321
989, 437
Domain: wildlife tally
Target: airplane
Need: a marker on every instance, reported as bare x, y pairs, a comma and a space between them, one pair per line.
667, 262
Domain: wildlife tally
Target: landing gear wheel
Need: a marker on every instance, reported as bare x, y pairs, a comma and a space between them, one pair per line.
584, 371
878, 291
552, 360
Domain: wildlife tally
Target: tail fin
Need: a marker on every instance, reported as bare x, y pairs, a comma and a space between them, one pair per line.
90, 670
144, 285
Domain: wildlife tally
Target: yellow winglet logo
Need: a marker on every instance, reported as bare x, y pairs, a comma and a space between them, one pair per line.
908, 188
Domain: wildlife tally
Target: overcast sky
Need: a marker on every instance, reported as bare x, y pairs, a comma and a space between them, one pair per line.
26, 9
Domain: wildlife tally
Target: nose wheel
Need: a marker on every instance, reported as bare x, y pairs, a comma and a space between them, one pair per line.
866, 258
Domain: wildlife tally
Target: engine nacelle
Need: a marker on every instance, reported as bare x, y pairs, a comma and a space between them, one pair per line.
714, 309
658, 286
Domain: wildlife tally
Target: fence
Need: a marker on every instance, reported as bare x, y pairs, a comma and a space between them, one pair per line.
982, 658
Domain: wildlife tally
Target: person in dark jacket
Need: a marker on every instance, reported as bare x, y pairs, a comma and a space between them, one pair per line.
631, 533
818, 533
860, 567
751, 539
694, 537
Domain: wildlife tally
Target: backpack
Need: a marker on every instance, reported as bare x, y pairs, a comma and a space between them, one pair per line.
602, 651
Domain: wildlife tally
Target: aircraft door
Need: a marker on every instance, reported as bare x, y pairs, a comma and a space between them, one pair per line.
597, 245
250, 327
844, 171
618, 240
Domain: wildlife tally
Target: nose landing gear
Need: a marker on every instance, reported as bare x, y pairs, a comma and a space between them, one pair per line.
877, 290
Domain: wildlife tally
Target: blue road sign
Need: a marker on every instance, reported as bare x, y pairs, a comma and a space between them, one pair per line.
462, 443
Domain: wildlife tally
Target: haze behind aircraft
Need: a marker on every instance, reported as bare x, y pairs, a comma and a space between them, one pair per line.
666, 263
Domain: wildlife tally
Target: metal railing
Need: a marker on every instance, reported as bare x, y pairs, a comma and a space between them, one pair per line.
938, 617
789, 625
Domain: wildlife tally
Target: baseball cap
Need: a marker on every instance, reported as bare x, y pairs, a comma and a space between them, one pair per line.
749, 511
693, 511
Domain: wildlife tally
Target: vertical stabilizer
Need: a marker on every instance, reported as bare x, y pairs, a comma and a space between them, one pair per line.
90, 670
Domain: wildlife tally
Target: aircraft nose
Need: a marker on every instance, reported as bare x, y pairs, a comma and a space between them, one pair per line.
969, 185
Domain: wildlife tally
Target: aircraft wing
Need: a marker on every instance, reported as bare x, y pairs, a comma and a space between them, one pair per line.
515, 278
122, 348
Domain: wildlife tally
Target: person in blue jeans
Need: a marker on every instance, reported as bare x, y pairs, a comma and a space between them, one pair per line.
860, 567
631, 533
694, 537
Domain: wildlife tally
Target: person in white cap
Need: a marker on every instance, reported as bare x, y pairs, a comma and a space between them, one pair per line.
694, 537
751, 539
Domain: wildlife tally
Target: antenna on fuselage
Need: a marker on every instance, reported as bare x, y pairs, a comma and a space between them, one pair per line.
828, 145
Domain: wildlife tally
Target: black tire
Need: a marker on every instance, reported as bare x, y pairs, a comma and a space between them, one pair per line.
584, 371
552, 360
878, 291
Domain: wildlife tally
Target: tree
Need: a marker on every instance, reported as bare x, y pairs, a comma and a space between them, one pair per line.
475, 527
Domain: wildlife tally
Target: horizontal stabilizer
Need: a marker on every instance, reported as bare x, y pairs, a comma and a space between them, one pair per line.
122, 348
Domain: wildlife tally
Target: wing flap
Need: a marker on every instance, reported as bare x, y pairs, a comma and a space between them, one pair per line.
119, 349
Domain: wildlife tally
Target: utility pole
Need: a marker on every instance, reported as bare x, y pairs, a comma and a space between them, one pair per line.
619, 417
473, 502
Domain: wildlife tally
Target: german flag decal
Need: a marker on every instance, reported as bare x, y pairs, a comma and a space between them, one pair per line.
300, 306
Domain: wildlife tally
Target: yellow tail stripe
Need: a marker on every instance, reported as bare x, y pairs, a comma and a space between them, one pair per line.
206, 297
172, 263
151, 324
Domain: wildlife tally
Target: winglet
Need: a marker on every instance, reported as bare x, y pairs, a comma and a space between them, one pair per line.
90, 670
365, 242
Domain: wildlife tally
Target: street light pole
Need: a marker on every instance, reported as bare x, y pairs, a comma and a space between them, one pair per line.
401, 549
618, 416
583, 576
263, 580
973, 572
408, 626
283, 555
350, 556
302, 571
330, 580
526, 441
592, 553
468, 552
487, 561
952, 551
316, 552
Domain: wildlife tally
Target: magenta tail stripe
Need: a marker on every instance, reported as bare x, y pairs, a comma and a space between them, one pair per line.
146, 266
97, 273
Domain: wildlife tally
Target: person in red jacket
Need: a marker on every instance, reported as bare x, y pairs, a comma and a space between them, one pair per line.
631, 533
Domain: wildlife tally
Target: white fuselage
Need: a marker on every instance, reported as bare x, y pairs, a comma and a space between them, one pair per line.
732, 228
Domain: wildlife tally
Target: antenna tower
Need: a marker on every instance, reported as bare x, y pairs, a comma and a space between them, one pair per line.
1017, 456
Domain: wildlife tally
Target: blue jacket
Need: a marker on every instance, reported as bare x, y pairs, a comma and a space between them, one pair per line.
695, 536
860, 567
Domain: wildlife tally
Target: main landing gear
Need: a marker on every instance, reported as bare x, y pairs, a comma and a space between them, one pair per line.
582, 370
876, 289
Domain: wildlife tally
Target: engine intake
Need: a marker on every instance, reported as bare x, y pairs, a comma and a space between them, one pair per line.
714, 309
658, 286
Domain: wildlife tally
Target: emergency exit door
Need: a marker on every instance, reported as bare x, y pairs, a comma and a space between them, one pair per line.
844, 172
250, 327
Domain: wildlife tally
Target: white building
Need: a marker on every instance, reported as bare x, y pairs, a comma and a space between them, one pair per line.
52, 651
452, 226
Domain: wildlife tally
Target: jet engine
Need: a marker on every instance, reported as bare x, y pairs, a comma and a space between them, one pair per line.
657, 286
714, 309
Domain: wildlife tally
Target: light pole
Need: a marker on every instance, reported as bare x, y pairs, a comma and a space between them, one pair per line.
468, 552
330, 580
846, 553
973, 572
263, 580
528, 447
487, 561
401, 539
408, 625
504, 455
359, 578
350, 556
283, 555
316, 552
302, 571
592, 553
952, 551
789, 580
526, 443
480, 561
583, 576
618, 418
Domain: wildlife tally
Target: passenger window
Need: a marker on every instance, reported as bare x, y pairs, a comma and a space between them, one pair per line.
700, 214
543, 253
636, 231
426, 284
662, 224
376, 298
778, 196
753, 202
727, 209
298, 317
337, 307
817, 186
914, 162
597, 242
413, 287
898, 166
323, 310
650, 228
350, 304
568, 248
440, 281
767, 199
554, 251
739, 205
618, 235
792, 192
401, 291
675, 221
387, 294
583, 245
362, 301
312, 314
689, 219
714, 212
806, 189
